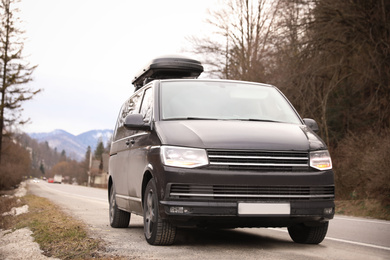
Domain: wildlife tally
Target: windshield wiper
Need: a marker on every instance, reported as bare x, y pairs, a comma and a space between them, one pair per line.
261, 120
222, 119
201, 118
191, 118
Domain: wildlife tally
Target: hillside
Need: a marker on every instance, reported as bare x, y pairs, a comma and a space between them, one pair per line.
74, 146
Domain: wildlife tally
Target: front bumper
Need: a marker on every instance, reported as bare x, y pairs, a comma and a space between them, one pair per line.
227, 213
204, 197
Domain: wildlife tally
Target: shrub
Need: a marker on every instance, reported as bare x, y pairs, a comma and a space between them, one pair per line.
362, 166
15, 163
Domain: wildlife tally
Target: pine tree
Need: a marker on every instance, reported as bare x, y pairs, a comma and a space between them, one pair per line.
42, 168
14, 70
99, 150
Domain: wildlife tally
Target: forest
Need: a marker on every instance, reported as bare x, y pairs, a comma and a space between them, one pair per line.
331, 59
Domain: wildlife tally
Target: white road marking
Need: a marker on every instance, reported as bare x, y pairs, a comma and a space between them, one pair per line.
357, 243
342, 240
105, 201
364, 220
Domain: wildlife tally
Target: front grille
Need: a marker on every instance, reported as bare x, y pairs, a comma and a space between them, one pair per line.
250, 193
258, 160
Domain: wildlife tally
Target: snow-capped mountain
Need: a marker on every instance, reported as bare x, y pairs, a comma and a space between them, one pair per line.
74, 146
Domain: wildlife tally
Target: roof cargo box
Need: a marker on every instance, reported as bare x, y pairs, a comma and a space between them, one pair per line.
168, 67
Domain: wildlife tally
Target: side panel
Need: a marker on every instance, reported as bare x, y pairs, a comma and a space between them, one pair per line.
137, 163
119, 154
139, 145
118, 170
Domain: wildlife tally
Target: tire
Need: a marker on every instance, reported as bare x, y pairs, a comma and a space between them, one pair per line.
308, 234
118, 218
157, 231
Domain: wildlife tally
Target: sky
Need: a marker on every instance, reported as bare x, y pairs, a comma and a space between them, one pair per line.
88, 52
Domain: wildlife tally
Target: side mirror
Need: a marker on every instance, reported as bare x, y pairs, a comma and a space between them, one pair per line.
135, 122
312, 124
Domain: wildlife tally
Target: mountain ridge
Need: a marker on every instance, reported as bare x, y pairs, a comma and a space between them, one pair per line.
75, 146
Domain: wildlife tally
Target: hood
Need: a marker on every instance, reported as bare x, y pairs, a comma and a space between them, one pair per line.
213, 134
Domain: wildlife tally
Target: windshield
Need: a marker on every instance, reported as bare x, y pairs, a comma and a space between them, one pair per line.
223, 100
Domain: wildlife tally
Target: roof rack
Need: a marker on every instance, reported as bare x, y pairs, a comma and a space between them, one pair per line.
168, 67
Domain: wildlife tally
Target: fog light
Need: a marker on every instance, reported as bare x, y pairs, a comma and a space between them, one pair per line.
179, 210
328, 211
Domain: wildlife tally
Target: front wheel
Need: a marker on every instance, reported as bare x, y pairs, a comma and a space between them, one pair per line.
118, 218
157, 231
303, 234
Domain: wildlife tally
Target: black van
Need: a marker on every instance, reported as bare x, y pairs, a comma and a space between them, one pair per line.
216, 153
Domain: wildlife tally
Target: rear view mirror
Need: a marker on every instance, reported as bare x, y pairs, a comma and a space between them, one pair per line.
312, 124
136, 122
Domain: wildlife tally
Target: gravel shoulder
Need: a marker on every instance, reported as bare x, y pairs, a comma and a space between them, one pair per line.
19, 244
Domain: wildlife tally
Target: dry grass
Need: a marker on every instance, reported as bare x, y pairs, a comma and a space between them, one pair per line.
58, 234
368, 208
361, 166
6, 204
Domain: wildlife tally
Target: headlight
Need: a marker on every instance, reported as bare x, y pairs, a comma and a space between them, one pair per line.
320, 160
183, 157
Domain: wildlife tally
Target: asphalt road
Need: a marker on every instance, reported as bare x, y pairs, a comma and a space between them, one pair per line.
347, 238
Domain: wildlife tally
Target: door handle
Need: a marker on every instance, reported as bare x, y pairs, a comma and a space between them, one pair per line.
130, 141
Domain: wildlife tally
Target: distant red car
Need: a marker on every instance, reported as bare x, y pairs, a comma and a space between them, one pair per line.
50, 180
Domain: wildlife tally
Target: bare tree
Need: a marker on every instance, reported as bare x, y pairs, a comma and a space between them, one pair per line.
332, 60
241, 42
15, 71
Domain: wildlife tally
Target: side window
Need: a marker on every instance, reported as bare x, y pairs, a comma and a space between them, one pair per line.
147, 105
131, 106
117, 126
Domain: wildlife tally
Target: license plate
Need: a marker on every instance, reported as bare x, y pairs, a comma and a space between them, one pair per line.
264, 208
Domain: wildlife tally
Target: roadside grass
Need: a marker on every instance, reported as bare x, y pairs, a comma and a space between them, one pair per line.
58, 234
368, 208
6, 204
